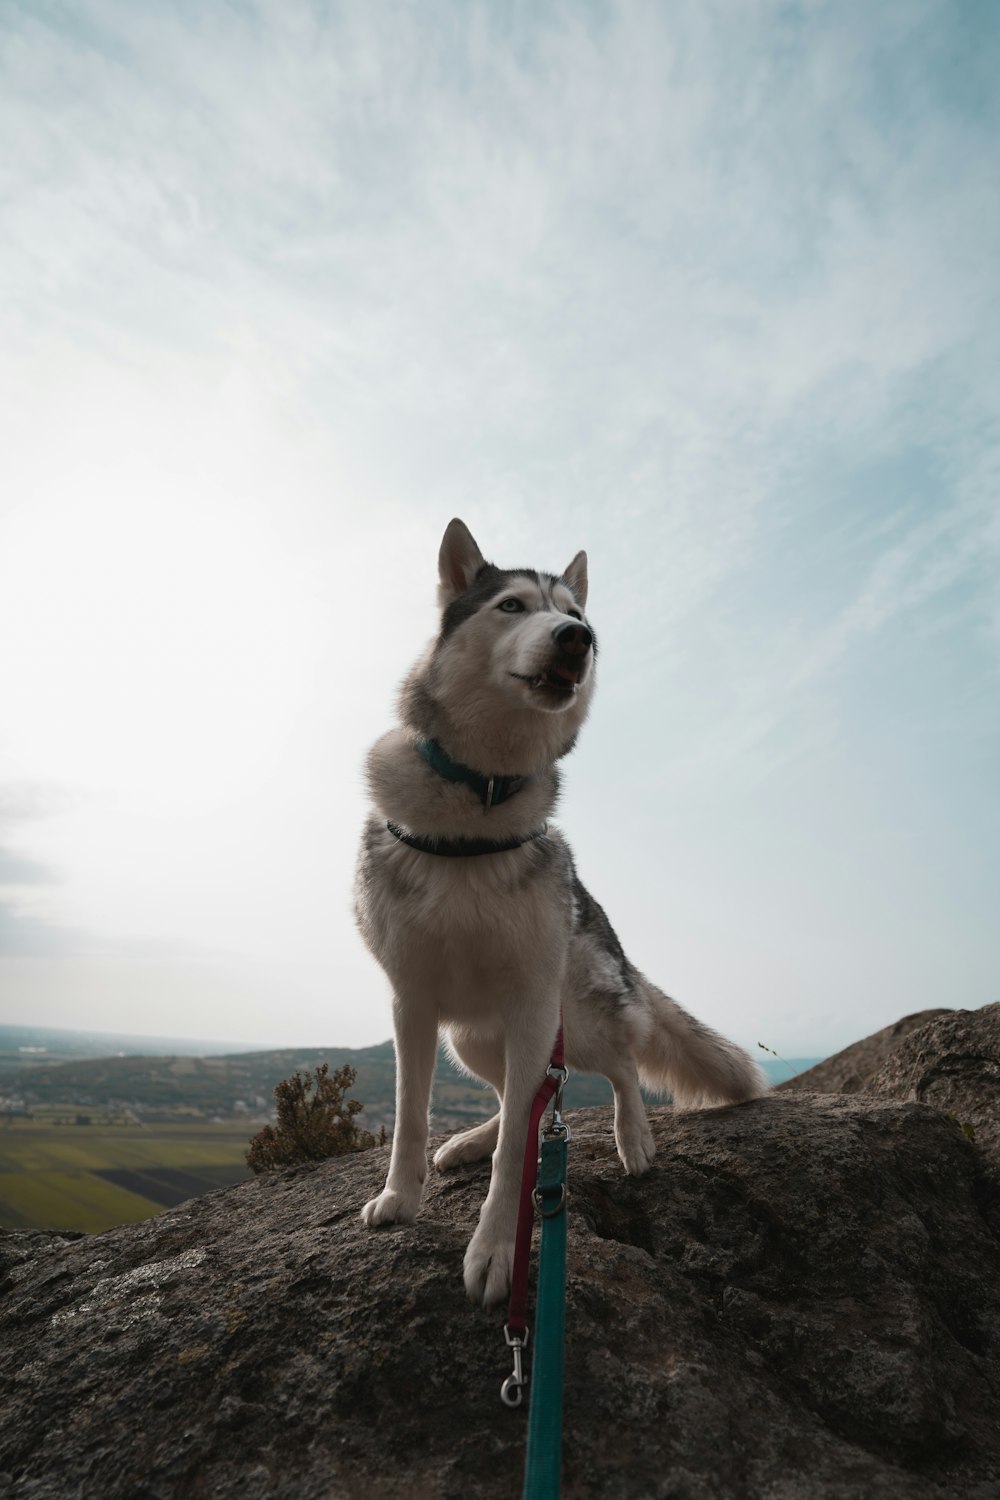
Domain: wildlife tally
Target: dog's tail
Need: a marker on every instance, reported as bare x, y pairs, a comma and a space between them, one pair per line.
691, 1062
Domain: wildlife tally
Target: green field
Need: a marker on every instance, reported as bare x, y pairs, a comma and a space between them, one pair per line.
93, 1177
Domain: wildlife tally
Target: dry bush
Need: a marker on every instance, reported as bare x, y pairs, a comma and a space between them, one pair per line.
315, 1121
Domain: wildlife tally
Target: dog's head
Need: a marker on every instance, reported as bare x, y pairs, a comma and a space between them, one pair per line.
520, 633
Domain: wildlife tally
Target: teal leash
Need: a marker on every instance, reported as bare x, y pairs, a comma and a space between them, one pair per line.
544, 1457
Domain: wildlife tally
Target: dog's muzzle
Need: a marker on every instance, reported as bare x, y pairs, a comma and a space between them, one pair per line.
562, 676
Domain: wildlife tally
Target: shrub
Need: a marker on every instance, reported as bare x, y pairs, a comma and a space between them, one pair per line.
315, 1121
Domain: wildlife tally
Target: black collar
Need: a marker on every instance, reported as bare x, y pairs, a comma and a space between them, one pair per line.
491, 790
462, 847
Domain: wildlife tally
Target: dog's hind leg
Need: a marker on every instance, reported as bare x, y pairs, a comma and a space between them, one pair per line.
471, 1145
605, 1046
633, 1136
483, 1057
416, 1051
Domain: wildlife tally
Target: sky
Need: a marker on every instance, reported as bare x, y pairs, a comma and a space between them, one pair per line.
709, 290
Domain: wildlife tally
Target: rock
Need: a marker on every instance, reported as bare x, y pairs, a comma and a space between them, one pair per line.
852, 1070
800, 1301
953, 1064
947, 1058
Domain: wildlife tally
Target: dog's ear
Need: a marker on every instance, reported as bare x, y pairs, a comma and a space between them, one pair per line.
576, 576
458, 561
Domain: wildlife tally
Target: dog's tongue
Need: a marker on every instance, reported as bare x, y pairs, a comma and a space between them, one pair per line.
568, 674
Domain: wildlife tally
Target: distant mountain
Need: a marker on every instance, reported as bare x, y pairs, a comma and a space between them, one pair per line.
171, 1085
177, 1083
165, 1087
34, 1043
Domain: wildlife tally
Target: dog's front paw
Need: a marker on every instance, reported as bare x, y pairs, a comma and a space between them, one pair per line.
391, 1207
636, 1151
489, 1265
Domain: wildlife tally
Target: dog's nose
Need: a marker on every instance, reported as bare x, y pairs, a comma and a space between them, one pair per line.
573, 638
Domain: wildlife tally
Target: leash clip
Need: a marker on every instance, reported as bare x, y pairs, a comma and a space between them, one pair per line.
510, 1391
557, 1125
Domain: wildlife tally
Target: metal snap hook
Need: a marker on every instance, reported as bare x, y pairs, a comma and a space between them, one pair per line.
513, 1386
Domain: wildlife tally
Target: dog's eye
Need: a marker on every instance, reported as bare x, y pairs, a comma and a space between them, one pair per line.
511, 606
575, 613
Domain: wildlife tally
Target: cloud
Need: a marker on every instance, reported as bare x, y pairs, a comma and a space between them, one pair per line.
25, 936
630, 257
18, 869
28, 801
22, 932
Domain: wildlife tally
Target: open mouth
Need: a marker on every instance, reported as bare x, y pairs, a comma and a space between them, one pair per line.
561, 679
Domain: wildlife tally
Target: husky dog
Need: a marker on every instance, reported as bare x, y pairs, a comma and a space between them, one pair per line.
468, 897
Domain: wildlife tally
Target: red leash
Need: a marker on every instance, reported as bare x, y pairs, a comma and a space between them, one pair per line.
516, 1328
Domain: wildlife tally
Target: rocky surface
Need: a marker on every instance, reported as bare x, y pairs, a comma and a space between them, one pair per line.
954, 1064
854, 1069
801, 1299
